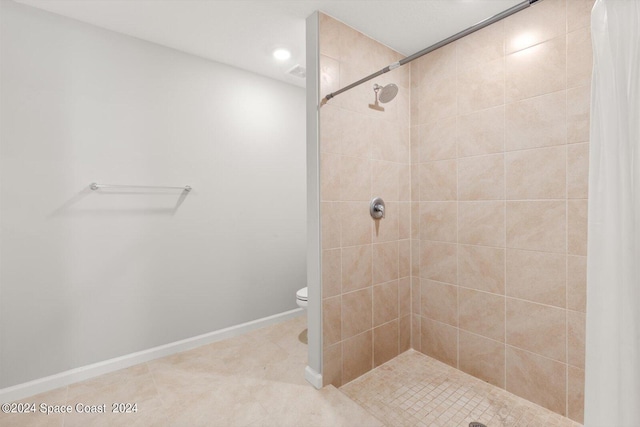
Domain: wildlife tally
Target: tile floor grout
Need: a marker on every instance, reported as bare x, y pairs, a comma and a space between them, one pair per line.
416, 390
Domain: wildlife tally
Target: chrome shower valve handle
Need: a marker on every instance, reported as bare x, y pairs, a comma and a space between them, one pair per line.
377, 208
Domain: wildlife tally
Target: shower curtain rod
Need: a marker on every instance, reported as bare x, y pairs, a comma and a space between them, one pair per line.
480, 25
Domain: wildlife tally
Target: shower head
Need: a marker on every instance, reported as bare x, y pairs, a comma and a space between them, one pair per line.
384, 94
387, 93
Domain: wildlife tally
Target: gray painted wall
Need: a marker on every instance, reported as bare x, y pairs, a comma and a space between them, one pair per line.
87, 276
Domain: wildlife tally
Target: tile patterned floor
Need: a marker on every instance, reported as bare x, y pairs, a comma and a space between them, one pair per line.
252, 380
256, 380
416, 390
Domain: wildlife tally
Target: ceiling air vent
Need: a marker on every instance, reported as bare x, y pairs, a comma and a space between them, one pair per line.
298, 71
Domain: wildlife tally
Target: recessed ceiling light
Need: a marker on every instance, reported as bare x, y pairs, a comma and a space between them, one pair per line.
281, 54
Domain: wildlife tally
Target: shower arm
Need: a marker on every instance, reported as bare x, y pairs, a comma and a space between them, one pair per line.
480, 25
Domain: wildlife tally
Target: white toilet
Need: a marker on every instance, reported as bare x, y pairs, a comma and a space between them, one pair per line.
302, 297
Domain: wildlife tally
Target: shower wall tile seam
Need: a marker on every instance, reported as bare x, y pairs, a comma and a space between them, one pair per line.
515, 248
448, 242
529, 149
570, 310
514, 150
440, 282
506, 103
515, 52
558, 307
457, 223
389, 322
566, 316
373, 159
497, 200
372, 362
504, 183
550, 359
439, 321
493, 200
451, 242
478, 335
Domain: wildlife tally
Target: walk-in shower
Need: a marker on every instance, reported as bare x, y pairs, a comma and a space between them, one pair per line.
452, 158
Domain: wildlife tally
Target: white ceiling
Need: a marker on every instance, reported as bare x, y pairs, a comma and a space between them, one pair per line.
243, 33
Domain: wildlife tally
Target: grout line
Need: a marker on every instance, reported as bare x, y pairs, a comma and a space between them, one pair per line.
502, 247
457, 246
566, 299
559, 199
457, 288
483, 336
512, 248
565, 364
504, 184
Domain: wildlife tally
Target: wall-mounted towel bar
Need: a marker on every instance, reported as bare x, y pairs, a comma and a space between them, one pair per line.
95, 186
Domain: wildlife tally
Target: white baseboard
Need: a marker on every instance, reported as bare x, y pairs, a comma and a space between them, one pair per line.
41, 385
312, 377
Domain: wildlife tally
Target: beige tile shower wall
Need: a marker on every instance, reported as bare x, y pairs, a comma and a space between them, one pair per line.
499, 150
364, 153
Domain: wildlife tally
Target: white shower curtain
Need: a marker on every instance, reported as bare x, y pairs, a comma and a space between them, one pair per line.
612, 383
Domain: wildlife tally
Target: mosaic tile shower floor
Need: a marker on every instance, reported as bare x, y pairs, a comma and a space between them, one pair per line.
416, 390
